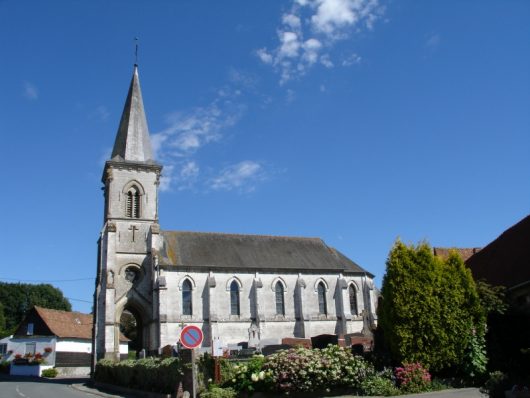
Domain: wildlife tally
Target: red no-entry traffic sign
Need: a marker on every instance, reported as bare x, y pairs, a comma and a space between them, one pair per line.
191, 337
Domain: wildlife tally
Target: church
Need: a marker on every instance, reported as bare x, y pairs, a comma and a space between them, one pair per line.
253, 289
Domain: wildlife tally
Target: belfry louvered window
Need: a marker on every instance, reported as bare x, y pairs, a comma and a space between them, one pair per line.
353, 300
234, 298
322, 304
186, 298
132, 209
280, 303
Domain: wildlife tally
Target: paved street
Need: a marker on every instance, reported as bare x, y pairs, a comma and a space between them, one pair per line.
28, 387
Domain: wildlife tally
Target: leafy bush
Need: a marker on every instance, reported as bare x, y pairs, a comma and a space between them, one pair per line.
219, 392
4, 367
52, 372
149, 374
380, 383
302, 370
249, 376
495, 385
413, 378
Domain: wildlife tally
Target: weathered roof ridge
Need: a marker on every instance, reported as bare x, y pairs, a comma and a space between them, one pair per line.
132, 139
213, 250
233, 234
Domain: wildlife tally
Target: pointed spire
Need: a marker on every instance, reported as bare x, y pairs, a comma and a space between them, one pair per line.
132, 140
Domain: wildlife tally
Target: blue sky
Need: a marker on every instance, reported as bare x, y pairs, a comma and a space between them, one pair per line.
355, 121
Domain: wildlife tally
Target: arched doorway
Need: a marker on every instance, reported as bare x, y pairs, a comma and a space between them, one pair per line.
132, 326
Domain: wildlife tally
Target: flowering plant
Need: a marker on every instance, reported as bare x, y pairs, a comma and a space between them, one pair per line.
303, 370
48, 350
413, 377
249, 376
18, 356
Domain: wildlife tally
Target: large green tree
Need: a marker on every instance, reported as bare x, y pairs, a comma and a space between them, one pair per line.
431, 312
2, 321
18, 298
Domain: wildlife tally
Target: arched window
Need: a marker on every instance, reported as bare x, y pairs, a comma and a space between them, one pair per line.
322, 305
280, 300
132, 209
234, 298
353, 300
186, 298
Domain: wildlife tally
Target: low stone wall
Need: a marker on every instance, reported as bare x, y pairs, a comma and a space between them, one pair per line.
73, 370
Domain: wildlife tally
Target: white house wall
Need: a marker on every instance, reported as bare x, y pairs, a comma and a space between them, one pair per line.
73, 346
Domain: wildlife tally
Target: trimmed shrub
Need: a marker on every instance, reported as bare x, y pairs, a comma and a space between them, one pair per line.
149, 374
51, 373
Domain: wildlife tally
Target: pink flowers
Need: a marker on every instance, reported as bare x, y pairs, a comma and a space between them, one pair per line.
413, 377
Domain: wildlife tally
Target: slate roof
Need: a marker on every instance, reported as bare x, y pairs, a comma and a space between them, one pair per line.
506, 260
465, 253
132, 140
211, 251
67, 324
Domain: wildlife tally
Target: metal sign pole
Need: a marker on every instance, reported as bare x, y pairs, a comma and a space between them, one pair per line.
193, 373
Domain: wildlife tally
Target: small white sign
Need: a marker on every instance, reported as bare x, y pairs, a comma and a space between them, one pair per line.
217, 348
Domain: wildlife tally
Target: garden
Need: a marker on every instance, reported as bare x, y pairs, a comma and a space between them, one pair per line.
293, 372
437, 328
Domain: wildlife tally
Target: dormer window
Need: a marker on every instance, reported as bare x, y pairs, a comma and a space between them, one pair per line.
132, 209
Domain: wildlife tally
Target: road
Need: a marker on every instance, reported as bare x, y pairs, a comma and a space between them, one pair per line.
26, 387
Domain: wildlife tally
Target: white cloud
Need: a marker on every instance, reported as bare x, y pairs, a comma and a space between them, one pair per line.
351, 59
289, 45
290, 96
101, 113
31, 92
311, 47
312, 27
166, 178
190, 170
186, 177
178, 145
326, 61
291, 20
264, 56
242, 176
433, 41
189, 131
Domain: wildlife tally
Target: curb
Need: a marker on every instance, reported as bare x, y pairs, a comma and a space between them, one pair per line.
107, 391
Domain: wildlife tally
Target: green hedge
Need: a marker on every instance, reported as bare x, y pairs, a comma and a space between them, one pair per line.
149, 374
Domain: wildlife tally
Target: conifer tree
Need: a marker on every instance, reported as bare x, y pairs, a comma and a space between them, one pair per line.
431, 312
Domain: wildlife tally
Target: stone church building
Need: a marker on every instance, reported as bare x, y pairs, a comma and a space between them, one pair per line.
239, 288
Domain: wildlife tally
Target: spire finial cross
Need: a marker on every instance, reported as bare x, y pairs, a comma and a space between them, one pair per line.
136, 51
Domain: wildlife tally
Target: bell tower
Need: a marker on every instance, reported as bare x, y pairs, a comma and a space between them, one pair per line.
130, 234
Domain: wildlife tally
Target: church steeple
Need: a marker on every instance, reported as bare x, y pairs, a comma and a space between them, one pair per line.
132, 140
